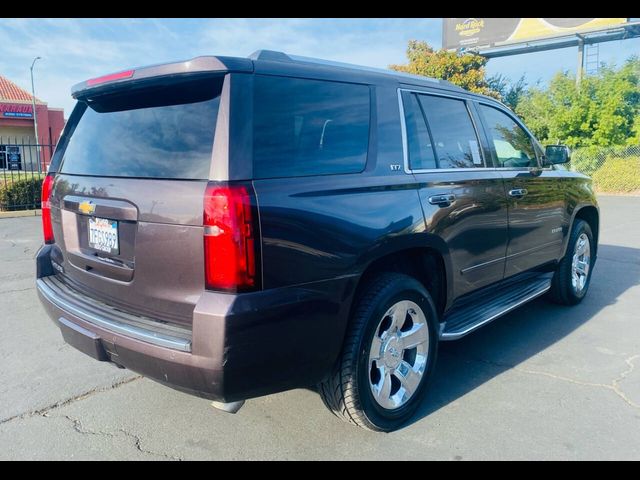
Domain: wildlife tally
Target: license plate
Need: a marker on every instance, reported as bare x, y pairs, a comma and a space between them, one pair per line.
103, 235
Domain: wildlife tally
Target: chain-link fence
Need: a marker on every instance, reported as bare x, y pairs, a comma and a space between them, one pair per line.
23, 165
613, 169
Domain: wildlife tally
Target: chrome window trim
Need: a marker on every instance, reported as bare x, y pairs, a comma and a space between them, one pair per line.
405, 138
498, 106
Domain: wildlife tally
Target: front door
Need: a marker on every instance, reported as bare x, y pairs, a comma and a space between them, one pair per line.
534, 194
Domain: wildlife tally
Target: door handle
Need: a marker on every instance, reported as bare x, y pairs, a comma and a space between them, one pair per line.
518, 192
442, 200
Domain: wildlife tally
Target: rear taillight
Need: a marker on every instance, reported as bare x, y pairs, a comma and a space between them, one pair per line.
230, 232
47, 228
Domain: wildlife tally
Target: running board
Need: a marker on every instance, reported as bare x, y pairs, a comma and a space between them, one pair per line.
463, 320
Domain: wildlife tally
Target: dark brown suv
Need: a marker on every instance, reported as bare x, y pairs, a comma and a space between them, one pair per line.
235, 227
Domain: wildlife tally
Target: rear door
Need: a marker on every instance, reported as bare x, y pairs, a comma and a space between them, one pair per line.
128, 198
463, 200
534, 194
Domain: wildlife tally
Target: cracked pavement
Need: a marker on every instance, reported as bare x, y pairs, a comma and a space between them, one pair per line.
544, 382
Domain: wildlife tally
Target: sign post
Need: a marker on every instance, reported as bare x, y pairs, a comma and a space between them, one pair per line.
579, 70
35, 115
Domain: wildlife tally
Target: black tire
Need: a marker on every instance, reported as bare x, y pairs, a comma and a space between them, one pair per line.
562, 290
347, 392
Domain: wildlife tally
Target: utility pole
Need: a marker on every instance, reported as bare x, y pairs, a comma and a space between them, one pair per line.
579, 71
35, 115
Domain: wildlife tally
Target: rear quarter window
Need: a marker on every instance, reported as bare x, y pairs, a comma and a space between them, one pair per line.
309, 127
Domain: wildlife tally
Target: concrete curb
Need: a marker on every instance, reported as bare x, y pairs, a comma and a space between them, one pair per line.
21, 213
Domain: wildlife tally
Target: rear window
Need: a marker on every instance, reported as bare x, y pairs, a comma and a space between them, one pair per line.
162, 131
309, 127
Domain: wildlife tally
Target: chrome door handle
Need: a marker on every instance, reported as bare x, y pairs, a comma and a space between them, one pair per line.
518, 192
442, 200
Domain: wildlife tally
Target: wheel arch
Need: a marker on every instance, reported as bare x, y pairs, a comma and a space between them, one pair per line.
425, 258
591, 215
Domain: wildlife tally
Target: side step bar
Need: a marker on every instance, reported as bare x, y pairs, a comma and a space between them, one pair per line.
479, 311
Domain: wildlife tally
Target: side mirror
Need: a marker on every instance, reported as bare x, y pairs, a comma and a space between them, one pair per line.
555, 154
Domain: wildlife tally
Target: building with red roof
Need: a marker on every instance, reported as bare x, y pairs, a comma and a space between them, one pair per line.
17, 131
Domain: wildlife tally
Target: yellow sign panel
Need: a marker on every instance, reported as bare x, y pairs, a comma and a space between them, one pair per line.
530, 28
466, 32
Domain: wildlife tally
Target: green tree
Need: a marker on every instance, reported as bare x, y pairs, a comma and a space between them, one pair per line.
509, 92
465, 70
603, 111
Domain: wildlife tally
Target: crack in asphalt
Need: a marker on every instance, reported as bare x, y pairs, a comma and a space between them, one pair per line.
137, 441
138, 445
63, 403
80, 428
629, 361
613, 386
19, 290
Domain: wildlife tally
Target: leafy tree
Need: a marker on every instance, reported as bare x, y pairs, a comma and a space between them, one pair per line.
465, 70
603, 111
509, 92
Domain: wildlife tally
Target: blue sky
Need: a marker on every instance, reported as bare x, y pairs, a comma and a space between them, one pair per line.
76, 49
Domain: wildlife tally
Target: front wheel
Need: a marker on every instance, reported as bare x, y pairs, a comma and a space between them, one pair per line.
388, 355
572, 277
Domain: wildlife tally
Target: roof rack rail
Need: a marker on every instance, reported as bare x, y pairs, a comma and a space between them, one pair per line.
275, 56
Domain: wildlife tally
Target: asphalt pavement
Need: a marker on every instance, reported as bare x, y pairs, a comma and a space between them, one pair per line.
544, 382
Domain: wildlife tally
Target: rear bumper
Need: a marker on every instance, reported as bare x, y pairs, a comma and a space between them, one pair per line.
241, 346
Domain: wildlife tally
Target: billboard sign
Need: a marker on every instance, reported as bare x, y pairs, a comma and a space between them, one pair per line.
487, 32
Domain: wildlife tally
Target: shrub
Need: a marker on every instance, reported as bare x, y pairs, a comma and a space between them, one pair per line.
618, 175
20, 194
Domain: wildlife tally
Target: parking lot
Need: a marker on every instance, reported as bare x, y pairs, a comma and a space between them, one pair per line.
544, 382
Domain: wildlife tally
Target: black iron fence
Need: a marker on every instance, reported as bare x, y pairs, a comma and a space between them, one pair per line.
23, 165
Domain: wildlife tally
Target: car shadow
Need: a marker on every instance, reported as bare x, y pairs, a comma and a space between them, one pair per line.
466, 364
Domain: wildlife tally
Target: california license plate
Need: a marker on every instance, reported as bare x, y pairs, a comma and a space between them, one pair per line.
103, 235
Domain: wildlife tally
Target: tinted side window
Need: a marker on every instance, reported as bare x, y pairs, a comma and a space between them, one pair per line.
421, 154
309, 127
512, 144
453, 133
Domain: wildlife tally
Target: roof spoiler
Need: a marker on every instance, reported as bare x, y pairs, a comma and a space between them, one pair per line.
202, 64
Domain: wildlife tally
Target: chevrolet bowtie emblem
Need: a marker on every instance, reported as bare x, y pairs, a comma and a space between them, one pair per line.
87, 207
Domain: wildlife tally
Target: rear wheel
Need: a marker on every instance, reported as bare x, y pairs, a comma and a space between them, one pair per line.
388, 355
573, 275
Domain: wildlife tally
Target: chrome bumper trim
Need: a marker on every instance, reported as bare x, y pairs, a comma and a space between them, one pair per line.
115, 326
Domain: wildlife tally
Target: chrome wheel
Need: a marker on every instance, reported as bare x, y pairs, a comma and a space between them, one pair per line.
580, 263
398, 354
